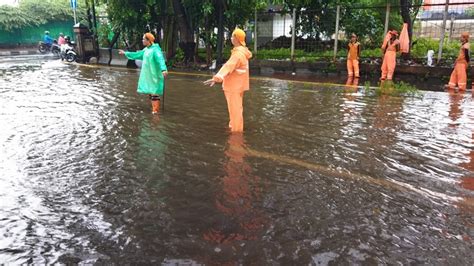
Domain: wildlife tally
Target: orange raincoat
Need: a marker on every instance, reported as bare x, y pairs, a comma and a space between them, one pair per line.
235, 77
353, 59
390, 57
404, 39
459, 75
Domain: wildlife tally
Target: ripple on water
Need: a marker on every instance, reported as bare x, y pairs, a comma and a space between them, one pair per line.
321, 175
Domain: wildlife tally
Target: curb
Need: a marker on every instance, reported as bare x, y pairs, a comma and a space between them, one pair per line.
15, 53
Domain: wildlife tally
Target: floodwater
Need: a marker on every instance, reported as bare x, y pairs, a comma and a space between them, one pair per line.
322, 175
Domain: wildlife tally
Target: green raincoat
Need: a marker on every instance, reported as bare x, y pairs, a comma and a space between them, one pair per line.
151, 79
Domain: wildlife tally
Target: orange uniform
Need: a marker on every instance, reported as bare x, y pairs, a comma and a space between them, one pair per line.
353, 59
235, 77
389, 59
459, 75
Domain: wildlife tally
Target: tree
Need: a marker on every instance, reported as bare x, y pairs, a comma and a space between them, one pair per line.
32, 13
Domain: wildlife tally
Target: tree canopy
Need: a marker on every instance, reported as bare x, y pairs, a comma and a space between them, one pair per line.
35, 13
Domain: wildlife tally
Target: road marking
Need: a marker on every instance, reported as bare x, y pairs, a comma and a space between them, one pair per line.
351, 176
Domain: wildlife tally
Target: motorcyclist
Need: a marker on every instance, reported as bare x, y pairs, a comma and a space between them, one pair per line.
47, 39
61, 39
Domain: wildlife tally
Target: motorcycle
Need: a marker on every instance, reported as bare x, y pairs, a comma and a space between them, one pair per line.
68, 53
53, 48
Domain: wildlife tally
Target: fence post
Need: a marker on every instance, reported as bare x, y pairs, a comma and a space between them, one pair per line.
387, 19
255, 34
451, 28
293, 35
336, 36
443, 30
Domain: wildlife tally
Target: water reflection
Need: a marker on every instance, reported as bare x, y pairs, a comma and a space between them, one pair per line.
350, 94
352, 82
467, 181
240, 190
89, 176
455, 111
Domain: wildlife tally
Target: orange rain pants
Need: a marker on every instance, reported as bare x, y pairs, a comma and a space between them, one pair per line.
353, 68
236, 110
389, 63
459, 76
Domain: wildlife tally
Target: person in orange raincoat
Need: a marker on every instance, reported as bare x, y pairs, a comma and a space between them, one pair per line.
390, 47
234, 75
353, 53
459, 75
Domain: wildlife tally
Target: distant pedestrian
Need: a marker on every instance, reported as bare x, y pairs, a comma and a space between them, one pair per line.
353, 54
390, 47
459, 75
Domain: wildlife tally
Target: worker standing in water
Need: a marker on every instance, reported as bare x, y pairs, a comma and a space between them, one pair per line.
459, 75
234, 75
390, 47
153, 70
353, 53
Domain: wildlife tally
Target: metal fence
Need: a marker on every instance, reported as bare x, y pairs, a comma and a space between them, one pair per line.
323, 34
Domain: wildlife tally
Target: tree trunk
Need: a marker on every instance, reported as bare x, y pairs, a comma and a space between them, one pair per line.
186, 33
196, 48
220, 32
170, 32
112, 43
170, 37
207, 40
405, 6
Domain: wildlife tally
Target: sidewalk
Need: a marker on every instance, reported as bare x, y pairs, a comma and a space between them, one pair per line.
19, 51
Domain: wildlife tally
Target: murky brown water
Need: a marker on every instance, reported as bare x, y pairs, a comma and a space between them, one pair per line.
321, 175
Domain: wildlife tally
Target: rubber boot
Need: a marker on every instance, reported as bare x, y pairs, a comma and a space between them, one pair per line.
155, 106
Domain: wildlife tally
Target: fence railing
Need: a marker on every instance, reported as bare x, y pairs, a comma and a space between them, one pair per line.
323, 34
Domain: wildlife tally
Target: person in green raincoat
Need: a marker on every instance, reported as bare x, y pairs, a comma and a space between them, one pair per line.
153, 71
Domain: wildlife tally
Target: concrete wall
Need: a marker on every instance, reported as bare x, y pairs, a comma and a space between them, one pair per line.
117, 60
32, 35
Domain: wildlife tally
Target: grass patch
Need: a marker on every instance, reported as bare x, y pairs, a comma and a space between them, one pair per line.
397, 89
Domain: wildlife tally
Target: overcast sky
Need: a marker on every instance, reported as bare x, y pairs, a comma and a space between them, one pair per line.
8, 2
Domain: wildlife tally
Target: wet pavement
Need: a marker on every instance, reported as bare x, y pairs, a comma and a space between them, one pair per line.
322, 174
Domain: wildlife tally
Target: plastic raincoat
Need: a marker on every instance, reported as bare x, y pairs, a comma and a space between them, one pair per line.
404, 39
234, 76
151, 78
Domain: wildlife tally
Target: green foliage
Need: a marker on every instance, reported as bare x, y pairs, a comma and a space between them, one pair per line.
422, 45
13, 18
397, 89
470, 11
31, 13
104, 32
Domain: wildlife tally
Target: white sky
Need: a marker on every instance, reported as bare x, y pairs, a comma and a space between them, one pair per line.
8, 2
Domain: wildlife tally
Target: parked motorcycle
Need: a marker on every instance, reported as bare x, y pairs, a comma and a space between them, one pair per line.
68, 52
53, 48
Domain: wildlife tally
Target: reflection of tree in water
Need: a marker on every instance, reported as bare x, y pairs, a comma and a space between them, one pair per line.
241, 220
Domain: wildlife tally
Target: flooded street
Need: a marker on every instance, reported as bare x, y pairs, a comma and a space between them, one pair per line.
321, 175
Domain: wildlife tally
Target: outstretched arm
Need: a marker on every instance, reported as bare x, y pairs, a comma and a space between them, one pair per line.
226, 69
133, 55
